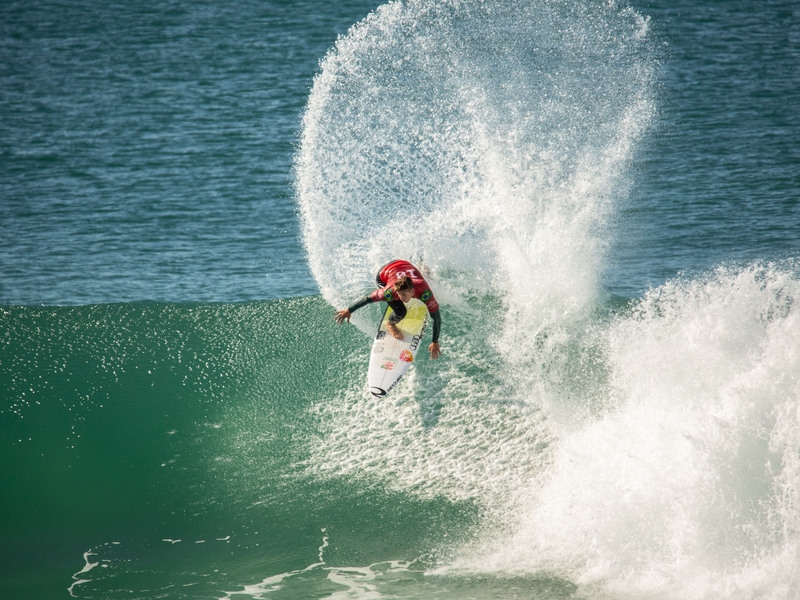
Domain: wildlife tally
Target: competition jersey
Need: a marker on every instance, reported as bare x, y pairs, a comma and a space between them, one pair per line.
391, 272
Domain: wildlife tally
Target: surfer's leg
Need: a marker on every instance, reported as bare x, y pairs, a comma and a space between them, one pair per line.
396, 333
399, 311
398, 315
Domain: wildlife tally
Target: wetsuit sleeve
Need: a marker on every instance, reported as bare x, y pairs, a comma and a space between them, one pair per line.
437, 325
376, 296
360, 303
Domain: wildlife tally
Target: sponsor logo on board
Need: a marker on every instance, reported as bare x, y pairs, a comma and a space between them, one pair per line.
415, 342
406, 356
388, 365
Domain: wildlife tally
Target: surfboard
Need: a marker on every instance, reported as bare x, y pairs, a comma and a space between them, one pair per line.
391, 358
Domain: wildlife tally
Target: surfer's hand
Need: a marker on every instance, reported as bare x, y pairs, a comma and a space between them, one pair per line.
342, 316
434, 350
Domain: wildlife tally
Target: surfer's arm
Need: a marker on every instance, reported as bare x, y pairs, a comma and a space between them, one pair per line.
433, 348
359, 303
437, 325
345, 314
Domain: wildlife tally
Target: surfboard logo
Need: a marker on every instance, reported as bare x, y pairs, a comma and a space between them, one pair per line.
414, 342
377, 392
406, 356
388, 365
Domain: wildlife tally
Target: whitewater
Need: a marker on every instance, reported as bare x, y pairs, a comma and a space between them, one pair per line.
637, 449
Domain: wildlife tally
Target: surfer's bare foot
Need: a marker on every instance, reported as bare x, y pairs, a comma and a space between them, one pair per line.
396, 334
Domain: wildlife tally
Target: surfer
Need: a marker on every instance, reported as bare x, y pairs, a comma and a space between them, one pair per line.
398, 282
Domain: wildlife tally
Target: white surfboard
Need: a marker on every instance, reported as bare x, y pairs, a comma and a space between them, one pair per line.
391, 358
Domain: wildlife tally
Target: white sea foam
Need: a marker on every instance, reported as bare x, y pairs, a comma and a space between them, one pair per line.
688, 485
650, 453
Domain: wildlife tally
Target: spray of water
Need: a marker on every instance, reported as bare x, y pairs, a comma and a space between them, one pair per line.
487, 138
653, 452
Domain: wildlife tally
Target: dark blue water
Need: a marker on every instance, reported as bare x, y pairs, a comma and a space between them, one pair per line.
717, 179
147, 147
605, 197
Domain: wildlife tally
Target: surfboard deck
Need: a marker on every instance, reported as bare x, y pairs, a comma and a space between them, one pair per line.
391, 358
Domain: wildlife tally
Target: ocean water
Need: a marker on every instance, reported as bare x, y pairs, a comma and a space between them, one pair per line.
605, 196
